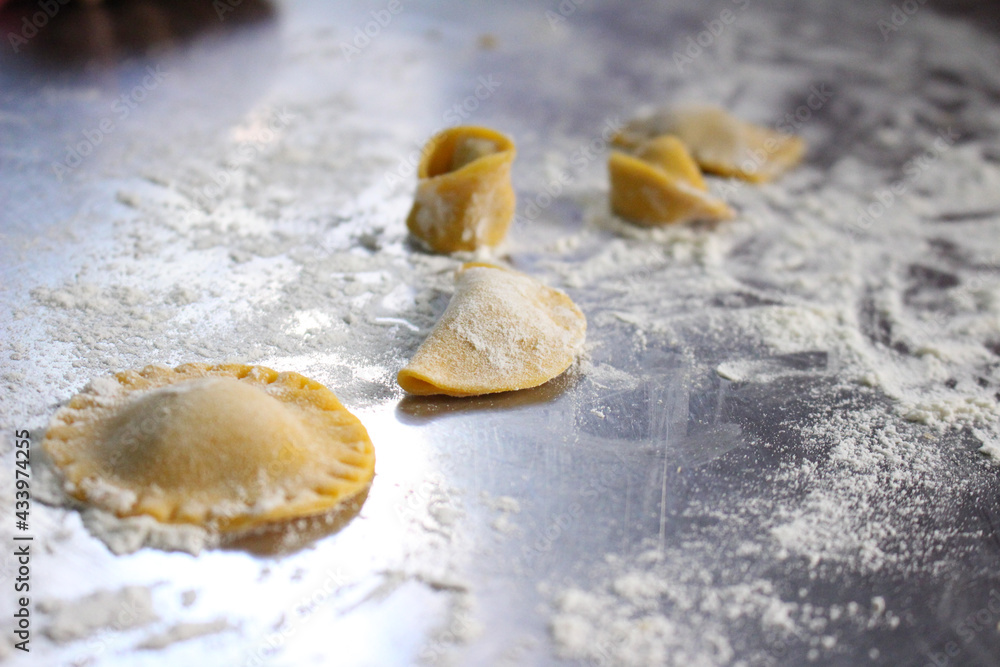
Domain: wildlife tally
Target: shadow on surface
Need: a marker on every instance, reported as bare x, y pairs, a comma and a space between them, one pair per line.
278, 539
416, 410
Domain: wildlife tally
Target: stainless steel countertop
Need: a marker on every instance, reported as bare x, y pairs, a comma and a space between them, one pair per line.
595, 471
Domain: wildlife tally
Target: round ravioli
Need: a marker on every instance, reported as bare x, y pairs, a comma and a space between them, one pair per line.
502, 330
230, 447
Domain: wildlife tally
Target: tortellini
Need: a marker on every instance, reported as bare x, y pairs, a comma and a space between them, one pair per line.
228, 447
464, 197
659, 183
720, 143
502, 330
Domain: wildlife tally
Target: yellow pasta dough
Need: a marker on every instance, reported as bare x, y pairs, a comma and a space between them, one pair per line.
464, 197
502, 330
669, 154
230, 447
660, 184
720, 143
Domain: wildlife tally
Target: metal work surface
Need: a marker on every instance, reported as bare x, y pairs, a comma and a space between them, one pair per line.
770, 454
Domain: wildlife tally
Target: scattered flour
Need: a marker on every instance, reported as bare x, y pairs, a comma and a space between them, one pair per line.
881, 331
505, 506
460, 627
443, 512
128, 535
874, 328
182, 632
655, 609
121, 610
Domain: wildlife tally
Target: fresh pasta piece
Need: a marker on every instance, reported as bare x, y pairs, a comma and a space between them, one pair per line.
229, 447
661, 184
464, 197
502, 330
669, 154
720, 143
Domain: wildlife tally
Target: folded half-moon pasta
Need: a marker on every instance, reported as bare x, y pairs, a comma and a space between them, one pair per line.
659, 184
502, 330
721, 143
464, 197
229, 447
